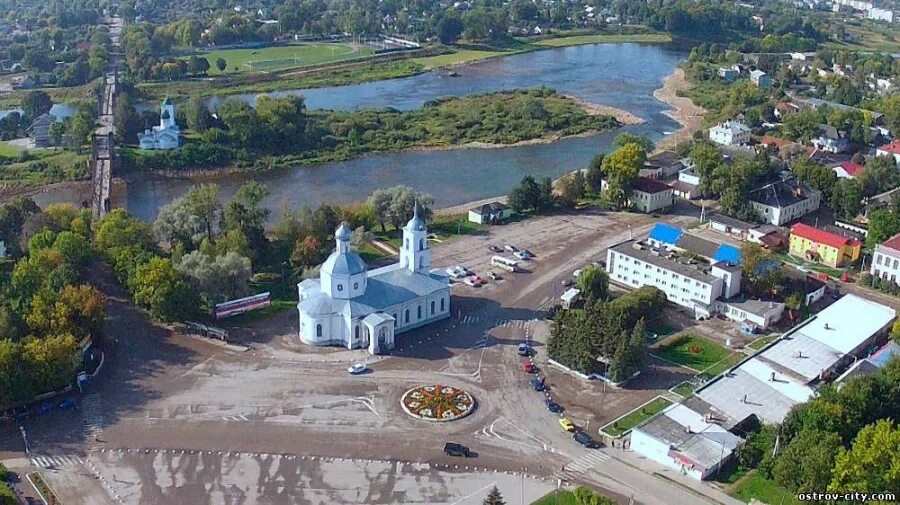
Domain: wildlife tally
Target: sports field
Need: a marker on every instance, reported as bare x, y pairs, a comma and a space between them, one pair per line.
265, 59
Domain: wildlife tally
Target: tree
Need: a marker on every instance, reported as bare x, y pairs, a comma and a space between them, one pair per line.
222, 278
807, 461
449, 28
571, 188
622, 167
395, 205
245, 213
625, 138
525, 196
203, 202
594, 177
494, 497
50, 361
35, 103
176, 224
157, 286
221, 64
883, 224
873, 462
593, 283
197, 114
307, 252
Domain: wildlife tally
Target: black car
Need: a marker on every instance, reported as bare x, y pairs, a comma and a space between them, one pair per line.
554, 407
453, 449
584, 439
537, 384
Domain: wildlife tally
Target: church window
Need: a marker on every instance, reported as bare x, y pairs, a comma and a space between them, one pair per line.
419, 312
395, 320
421, 244
357, 333
355, 286
407, 315
406, 243
432, 307
442, 304
340, 287
318, 330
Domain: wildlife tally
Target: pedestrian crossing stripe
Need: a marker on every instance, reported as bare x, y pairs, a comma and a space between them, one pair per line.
587, 462
55, 461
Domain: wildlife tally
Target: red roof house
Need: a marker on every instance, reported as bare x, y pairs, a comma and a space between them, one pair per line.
847, 169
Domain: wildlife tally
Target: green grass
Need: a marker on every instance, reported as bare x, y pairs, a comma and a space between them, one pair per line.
625, 423
456, 57
809, 265
684, 389
44, 167
603, 38
692, 352
761, 342
765, 490
276, 307
272, 58
8, 150
566, 497
723, 365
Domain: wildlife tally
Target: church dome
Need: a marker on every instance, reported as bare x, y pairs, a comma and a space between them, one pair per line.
416, 224
343, 232
347, 263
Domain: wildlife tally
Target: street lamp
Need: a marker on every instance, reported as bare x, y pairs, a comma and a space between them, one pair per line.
24, 438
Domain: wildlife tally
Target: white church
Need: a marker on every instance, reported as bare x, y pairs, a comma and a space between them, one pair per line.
353, 307
167, 134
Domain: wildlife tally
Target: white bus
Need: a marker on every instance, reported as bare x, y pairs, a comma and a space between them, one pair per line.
505, 263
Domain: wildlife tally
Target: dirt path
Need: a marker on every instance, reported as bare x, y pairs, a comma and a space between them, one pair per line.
686, 112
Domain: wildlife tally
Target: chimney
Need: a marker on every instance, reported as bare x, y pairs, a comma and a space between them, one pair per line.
773, 377
827, 327
798, 192
687, 429
744, 399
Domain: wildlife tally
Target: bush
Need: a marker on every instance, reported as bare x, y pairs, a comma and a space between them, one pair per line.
6, 495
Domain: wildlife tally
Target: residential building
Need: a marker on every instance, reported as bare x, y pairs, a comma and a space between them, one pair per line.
886, 260
353, 307
490, 213
877, 360
39, 131
687, 282
730, 133
688, 184
753, 315
831, 139
686, 441
731, 226
783, 109
881, 14
822, 246
649, 195
667, 162
891, 149
784, 201
816, 103
728, 74
761, 79
166, 135
847, 169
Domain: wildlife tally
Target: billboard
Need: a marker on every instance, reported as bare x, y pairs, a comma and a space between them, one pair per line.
241, 305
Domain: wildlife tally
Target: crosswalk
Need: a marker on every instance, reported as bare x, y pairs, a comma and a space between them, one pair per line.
48, 462
94, 420
583, 464
235, 418
499, 323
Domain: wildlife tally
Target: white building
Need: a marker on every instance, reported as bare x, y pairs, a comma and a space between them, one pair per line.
886, 260
688, 184
730, 133
164, 136
753, 315
691, 284
352, 307
648, 195
784, 201
881, 14
682, 439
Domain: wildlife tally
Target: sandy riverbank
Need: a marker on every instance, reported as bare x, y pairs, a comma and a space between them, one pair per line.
684, 111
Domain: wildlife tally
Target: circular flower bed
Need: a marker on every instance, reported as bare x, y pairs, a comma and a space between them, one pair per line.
437, 403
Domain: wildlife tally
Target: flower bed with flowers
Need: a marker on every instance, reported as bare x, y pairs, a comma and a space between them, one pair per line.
437, 403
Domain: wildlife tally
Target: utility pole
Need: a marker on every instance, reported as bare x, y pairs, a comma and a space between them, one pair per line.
24, 438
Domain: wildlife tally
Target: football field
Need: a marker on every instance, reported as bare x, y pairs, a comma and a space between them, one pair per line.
265, 59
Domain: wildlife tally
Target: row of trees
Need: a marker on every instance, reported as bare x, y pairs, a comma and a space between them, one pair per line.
46, 311
607, 331
844, 440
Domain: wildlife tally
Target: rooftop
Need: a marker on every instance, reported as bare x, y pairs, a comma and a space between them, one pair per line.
892, 243
851, 168
682, 240
489, 208
822, 237
781, 194
732, 222
665, 259
893, 147
848, 323
691, 436
755, 307
651, 186
733, 126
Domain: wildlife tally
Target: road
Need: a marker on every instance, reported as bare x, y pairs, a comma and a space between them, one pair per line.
177, 419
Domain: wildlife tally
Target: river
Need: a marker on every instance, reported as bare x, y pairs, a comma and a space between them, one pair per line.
619, 75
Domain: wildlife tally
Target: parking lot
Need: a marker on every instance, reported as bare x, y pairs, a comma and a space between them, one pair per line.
286, 400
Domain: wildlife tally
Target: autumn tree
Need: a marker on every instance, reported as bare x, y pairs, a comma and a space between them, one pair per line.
871, 465
622, 168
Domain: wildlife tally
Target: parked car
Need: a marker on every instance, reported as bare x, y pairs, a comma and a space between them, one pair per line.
453, 449
567, 424
494, 276
576, 273
537, 384
528, 252
554, 407
521, 255
511, 248
527, 367
456, 272
494, 248
472, 280
566, 283
69, 403
524, 349
356, 369
584, 439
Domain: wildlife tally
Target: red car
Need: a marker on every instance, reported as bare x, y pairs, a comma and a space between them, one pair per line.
527, 367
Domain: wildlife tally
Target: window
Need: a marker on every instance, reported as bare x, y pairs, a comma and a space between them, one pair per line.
432, 307
395, 319
407, 315
340, 287
357, 332
442, 304
421, 244
406, 243
355, 286
419, 312
318, 330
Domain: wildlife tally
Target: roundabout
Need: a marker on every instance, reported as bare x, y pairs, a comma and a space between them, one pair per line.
437, 403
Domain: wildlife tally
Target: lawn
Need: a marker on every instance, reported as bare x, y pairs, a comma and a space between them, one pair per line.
808, 265
9, 150
561, 497
692, 352
761, 342
44, 166
601, 38
457, 57
765, 490
723, 365
637, 416
282, 57
684, 389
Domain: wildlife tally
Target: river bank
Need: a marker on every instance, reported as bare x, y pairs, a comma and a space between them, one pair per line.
684, 110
